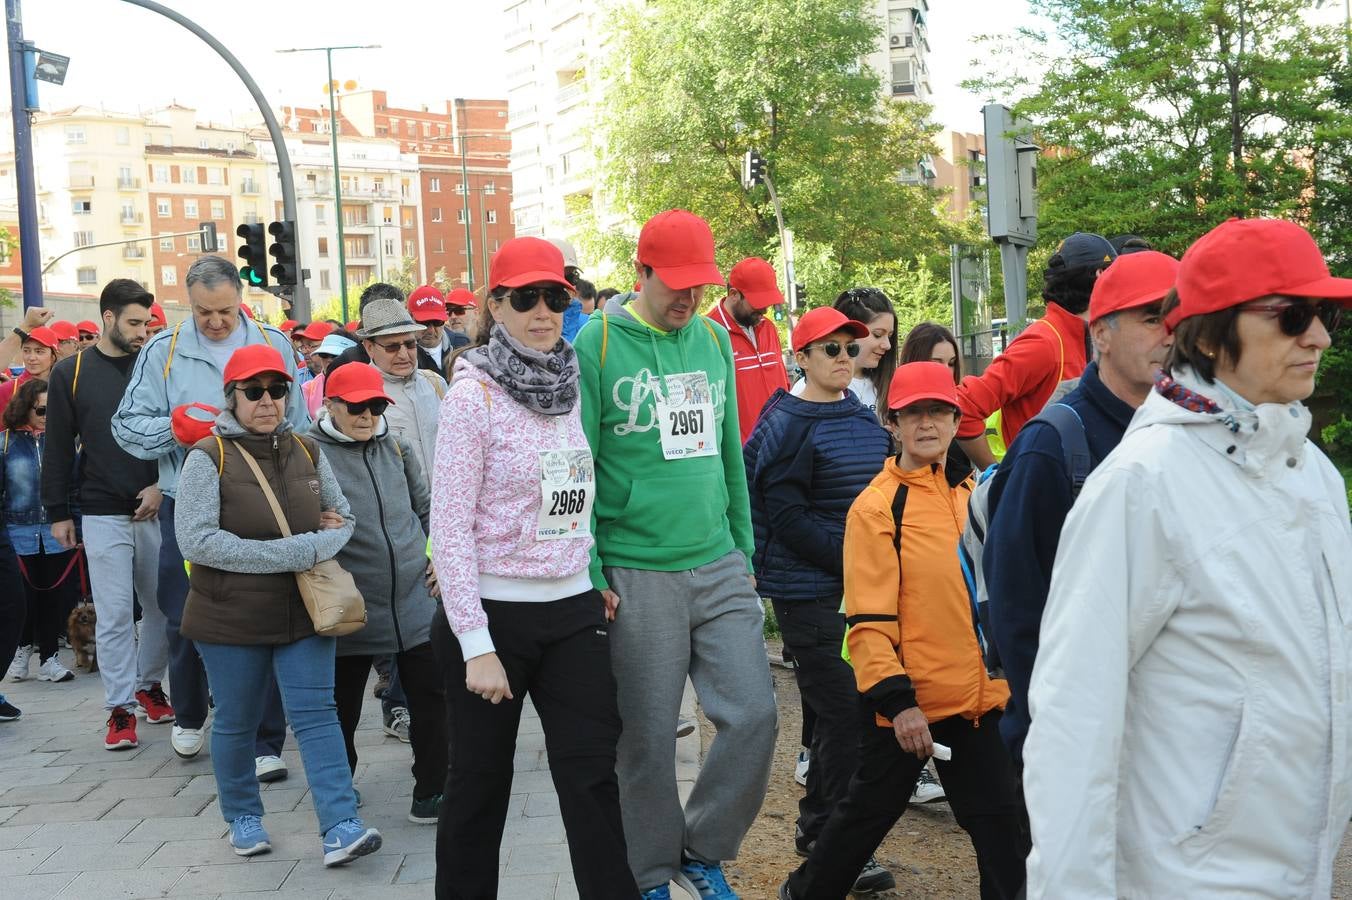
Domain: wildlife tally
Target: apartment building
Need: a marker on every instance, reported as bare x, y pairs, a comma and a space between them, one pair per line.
960, 168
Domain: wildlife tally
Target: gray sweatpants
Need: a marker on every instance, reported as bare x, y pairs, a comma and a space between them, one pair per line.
123, 555
706, 623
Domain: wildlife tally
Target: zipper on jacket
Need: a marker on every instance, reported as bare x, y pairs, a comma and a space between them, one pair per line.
389, 548
286, 505
941, 481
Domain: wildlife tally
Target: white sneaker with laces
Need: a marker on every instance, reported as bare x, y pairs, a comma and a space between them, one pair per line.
800, 768
269, 768
927, 788
187, 742
52, 670
18, 669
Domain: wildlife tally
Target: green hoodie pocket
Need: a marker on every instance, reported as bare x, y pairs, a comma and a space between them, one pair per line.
673, 513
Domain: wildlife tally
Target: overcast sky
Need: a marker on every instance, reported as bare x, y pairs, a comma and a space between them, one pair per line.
124, 57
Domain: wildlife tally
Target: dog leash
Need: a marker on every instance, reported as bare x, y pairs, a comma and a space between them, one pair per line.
75, 558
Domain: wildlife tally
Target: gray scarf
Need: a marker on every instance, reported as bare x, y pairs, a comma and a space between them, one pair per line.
543, 382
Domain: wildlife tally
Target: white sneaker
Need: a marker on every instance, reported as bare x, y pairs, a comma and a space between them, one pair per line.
18, 669
52, 670
269, 768
187, 742
927, 788
800, 768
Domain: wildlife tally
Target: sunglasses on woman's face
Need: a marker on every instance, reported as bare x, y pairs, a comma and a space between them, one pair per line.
1295, 318
525, 299
40, 410
833, 348
377, 407
254, 392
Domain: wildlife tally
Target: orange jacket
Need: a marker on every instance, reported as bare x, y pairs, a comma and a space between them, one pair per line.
911, 637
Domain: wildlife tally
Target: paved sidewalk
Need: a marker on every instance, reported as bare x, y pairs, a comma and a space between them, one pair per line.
79, 821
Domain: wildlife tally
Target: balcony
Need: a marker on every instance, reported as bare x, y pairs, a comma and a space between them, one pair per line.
371, 193
522, 115
570, 95
129, 184
359, 255
248, 188
133, 252
570, 55
352, 224
517, 36
132, 218
80, 183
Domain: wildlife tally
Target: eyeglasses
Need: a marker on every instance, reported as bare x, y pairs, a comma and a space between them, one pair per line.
40, 410
833, 349
926, 411
377, 407
457, 311
254, 392
1295, 318
525, 299
397, 345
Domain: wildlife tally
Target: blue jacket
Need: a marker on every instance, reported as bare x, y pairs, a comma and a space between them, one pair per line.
142, 424
1030, 497
30, 531
806, 462
573, 320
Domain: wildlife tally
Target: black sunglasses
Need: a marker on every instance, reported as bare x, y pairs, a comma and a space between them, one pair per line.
525, 299
1295, 318
377, 407
833, 348
254, 392
40, 410
397, 345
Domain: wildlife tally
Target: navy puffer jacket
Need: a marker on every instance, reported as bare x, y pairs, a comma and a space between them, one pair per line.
805, 464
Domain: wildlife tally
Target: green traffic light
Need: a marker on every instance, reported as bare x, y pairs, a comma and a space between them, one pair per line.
247, 273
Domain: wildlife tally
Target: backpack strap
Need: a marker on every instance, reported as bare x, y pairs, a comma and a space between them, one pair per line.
310, 456
173, 342
75, 383
433, 380
1074, 445
605, 336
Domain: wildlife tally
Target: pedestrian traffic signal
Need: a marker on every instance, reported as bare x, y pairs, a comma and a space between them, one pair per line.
753, 169
254, 252
283, 250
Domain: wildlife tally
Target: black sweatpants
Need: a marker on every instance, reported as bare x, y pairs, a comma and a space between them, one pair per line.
426, 709
52, 589
13, 601
559, 653
813, 631
979, 782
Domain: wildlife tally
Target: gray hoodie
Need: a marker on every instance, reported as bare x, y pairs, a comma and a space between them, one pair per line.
384, 484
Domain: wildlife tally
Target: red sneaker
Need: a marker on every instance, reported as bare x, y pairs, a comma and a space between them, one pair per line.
155, 705
121, 731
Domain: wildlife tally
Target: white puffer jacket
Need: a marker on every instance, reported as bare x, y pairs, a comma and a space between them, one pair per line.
1190, 701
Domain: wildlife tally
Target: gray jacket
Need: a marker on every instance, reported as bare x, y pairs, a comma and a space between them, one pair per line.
413, 415
389, 496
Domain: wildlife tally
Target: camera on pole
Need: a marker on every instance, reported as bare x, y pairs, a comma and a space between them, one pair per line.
209, 239
254, 252
283, 251
753, 169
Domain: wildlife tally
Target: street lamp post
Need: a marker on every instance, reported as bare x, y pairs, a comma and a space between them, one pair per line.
464, 184
333, 142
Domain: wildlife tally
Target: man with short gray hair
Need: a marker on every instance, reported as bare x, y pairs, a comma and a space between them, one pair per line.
178, 368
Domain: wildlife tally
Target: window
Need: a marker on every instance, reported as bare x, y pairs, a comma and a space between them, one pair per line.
215, 175
436, 214
408, 218
441, 246
218, 209
321, 213
324, 279
75, 134
491, 217
167, 245
389, 246
490, 187
903, 77
460, 188
87, 275
194, 243
230, 146
434, 185
161, 173
190, 209
168, 275
163, 207
221, 243
81, 207
202, 143
188, 175
84, 238
460, 216
378, 185
323, 246
123, 135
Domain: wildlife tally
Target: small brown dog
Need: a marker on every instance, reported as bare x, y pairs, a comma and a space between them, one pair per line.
80, 631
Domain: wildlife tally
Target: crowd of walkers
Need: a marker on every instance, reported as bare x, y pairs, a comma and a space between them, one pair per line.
1097, 596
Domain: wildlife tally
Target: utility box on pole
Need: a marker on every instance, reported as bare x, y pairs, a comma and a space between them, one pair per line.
1011, 202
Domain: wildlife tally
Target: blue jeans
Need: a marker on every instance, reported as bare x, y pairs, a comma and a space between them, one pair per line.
304, 672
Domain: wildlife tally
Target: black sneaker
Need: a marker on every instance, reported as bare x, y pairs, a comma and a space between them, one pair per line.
425, 812
783, 892
872, 878
8, 711
801, 845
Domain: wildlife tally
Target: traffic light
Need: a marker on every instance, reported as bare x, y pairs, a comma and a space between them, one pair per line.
753, 169
283, 250
254, 252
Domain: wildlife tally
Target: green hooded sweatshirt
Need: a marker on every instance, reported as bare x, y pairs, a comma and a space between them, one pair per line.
650, 512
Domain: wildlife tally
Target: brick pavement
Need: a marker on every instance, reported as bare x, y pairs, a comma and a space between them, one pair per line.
78, 821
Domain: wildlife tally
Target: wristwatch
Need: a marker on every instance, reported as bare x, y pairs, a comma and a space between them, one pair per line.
21, 333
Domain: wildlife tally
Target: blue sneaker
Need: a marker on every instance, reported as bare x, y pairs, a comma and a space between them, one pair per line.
661, 892
248, 836
347, 840
704, 880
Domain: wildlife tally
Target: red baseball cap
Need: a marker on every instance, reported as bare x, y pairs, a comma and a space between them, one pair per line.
756, 280
1133, 280
64, 331
356, 382
88, 327
352, 326
922, 381
157, 315
316, 331
289, 326
526, 260
818, 323
427, 304
44, 335
679, 247
192, 421
255, 359
462, 297
1243, 259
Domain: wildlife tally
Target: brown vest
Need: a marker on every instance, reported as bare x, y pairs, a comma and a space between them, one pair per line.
235, 607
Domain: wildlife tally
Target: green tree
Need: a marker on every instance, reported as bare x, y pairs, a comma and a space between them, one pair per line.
696, 83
